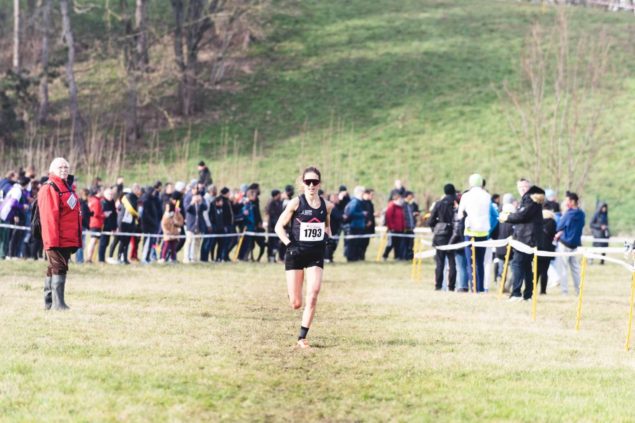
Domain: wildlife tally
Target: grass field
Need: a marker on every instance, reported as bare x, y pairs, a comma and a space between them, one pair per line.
210, 343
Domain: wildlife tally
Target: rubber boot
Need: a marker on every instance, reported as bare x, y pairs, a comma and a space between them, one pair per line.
48, 299
57, 283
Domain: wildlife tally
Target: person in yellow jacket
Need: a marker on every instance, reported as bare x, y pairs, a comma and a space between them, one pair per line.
128, 221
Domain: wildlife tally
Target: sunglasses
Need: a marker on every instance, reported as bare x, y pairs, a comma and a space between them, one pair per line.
314, 182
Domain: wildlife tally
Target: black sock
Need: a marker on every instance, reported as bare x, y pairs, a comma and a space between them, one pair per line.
303, 332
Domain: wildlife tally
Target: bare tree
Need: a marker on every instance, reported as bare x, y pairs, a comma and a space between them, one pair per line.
141, 32
77, 122
557, 110
132, 63
44, 61
16, 34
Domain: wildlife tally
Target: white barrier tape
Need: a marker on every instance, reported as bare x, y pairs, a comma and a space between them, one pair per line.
627, 266
494, 243
554, 254
523, 248
427, 254
519, 246
458, 246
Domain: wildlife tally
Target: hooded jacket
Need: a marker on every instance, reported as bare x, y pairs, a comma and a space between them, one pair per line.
441, 220
600, 218
528, 219
59, 214
571, 224
96, 213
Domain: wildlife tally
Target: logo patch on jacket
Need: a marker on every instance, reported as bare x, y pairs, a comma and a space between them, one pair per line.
72, 201
307, 212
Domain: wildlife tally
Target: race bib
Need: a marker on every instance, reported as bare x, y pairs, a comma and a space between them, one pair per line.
72, 201
311, 231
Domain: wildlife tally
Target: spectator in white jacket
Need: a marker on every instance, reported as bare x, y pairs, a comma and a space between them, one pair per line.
475, 205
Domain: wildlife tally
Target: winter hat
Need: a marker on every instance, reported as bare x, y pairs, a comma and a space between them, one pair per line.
449, 189
224, 191
179, 186
550, 194
475, 180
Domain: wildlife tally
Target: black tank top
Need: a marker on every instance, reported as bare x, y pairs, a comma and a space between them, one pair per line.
309, 224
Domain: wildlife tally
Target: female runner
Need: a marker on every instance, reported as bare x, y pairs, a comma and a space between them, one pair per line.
309, 215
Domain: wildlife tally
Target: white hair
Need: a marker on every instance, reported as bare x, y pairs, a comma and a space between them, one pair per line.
358, 191
57, 162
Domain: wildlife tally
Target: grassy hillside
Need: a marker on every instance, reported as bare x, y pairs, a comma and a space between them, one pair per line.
372, 91
376, 90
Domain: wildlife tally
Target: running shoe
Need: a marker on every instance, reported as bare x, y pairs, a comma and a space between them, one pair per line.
303, 344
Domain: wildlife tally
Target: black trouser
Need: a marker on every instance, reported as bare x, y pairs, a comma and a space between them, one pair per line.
521, 270
440, 257
261, 243
355, 245
103, 245
273, 245
407, 245
363, 245
16, 241
114, 244
394, 242
246, 247
124, 241
543, 270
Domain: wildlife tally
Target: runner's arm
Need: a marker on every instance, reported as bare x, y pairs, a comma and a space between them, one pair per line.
284, 220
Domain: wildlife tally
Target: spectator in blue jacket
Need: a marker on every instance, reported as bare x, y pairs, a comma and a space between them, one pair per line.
356, 217
569, 237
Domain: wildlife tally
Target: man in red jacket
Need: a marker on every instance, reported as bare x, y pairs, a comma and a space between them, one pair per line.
61, 229
396, 224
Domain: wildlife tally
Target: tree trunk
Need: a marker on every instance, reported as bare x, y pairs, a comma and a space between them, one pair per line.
141, 17
177, 8
16, 34
77, 135
44, 58
132, 64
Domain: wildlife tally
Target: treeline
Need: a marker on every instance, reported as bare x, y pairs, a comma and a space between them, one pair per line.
166, 58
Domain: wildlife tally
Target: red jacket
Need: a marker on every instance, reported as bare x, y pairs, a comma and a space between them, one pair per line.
61, 223
97, 217
395, 220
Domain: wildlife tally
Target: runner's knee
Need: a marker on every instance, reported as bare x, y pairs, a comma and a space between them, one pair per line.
296, 304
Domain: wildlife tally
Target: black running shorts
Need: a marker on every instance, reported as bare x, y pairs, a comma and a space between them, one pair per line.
304, 259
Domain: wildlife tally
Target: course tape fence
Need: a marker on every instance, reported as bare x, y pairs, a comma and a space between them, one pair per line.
586, 253
419, 254
380, 231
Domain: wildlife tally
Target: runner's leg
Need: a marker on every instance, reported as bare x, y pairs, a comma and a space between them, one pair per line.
294, 287
314, 283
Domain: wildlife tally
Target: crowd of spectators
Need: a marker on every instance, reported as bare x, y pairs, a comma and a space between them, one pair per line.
154, 223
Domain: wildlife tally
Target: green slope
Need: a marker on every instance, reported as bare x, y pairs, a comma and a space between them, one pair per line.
376, 90
372, 91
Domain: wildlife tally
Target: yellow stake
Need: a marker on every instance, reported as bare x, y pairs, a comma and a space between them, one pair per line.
474, 267
504, 278
420, 263
413, 270
240, 243
630, 315
534, 297
582, 277
382, 245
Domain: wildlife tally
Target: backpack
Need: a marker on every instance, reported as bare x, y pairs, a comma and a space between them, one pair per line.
36, 223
